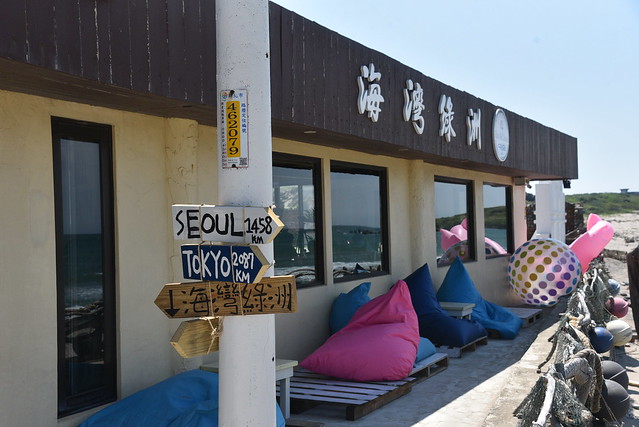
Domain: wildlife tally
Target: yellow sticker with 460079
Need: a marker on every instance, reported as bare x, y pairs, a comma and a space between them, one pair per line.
233, 146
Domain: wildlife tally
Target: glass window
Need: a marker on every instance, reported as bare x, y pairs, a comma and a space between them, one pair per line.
85, 265
297, 195
454, 221
497, 220
360, 231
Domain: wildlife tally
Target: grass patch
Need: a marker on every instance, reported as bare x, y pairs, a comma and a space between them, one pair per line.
606, 203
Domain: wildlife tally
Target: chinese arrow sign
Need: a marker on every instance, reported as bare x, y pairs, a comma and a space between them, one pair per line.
276, 294
228, 224
223, 263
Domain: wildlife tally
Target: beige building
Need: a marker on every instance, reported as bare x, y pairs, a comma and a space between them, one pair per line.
95, 150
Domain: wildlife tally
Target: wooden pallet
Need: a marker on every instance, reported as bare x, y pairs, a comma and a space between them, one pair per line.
430, 366
457, 352
360, 398
528, 315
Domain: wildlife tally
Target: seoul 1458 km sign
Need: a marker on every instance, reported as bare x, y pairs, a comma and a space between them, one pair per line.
229, 224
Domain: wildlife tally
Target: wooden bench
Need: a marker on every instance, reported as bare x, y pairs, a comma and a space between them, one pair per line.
360, 398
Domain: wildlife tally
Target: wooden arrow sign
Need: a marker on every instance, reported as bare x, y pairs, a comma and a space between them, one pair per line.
184, 300
196, 337
228, 224
261, 225
223, 263
276, 294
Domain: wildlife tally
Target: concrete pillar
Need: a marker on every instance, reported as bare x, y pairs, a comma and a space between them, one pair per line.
247, 343
550, 210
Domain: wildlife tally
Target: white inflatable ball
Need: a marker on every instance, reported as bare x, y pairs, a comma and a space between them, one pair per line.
621, 332
543, 270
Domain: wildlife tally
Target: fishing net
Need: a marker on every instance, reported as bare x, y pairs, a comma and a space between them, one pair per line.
576, 378
528, 410
567, 409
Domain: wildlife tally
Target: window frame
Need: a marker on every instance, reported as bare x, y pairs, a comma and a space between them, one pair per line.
382, 173
315, 165
470, 213
510, 241
64, 128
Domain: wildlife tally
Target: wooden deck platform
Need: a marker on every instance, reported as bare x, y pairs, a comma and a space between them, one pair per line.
456, 352
360, 398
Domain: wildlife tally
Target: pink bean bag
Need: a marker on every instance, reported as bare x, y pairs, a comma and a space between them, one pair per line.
378, 344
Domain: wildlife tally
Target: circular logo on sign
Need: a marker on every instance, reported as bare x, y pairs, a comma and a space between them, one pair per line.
501, 137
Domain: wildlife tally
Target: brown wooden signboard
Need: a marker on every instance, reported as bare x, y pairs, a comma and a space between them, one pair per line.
277, 294
196, 338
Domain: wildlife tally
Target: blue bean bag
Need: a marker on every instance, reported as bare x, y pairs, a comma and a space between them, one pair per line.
189, 399
434, 323
459, 287
346, 305
424, 350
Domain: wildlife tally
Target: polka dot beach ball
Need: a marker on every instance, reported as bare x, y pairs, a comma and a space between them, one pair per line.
542, 270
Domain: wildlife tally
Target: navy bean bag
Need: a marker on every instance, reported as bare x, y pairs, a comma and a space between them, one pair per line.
189, 399
434, 323
459, 287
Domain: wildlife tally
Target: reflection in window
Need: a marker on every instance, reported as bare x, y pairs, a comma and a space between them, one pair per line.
454, 221
497, 220
358, 201
85, 265
296, 195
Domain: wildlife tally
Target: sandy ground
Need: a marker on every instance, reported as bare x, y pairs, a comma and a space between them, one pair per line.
625, 239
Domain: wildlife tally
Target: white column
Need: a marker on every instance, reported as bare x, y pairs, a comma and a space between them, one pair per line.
247, 344
550, 210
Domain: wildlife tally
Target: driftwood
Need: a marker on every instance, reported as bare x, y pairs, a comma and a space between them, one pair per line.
632, 260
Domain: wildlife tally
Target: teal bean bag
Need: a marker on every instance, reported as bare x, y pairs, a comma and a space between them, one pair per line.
459, 287
346, 305
189, 399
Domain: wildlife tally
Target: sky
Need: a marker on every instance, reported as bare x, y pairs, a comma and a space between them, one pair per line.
570, 65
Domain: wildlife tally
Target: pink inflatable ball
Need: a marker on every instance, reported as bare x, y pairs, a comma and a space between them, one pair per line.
617, 306
542, 270
590, 244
